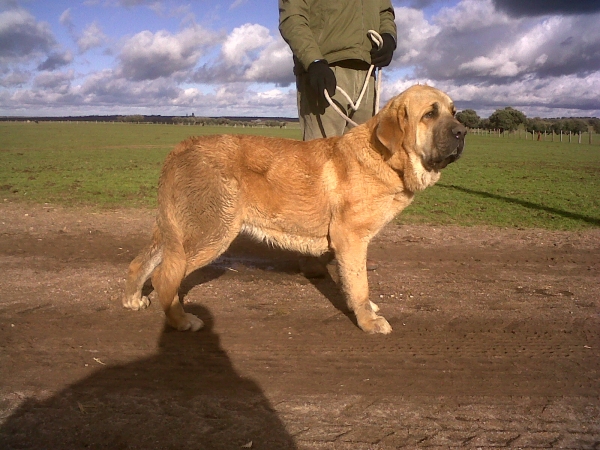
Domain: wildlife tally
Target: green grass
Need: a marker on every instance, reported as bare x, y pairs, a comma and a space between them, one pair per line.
101, 164
498, 182
515, 183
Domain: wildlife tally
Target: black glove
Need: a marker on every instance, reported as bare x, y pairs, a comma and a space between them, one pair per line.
321, 77
382, 57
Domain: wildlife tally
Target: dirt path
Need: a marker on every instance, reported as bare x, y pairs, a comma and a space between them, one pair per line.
496, 343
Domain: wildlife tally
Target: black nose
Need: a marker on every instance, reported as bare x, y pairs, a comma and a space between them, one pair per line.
459, 131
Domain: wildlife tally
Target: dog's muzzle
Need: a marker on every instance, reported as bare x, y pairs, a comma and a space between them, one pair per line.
450, 147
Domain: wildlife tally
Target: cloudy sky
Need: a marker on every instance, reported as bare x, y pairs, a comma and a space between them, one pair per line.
227, 58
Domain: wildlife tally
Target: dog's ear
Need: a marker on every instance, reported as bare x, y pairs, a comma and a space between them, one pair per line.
391, 129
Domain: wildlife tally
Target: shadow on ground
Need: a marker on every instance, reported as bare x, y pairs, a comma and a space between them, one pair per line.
187, 396
526, 204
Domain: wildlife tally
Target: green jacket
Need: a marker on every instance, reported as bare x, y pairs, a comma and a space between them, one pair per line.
334, 30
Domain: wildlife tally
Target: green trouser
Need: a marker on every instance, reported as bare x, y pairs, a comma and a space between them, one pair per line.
318, 121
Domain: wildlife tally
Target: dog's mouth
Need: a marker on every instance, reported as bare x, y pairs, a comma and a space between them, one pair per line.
440, 163
449, 151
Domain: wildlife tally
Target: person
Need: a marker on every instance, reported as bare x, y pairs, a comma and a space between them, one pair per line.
331, 47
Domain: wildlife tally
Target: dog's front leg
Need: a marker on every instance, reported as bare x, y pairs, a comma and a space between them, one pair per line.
351, 254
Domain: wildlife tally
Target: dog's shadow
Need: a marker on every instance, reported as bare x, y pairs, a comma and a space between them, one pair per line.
186, 395
245, 252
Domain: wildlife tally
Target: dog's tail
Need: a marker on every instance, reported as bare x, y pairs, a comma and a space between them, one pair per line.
139, 272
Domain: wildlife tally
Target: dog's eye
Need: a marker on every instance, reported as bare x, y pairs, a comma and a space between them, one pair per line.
429, 115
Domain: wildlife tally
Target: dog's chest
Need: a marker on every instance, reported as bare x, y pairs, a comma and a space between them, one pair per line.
401, 200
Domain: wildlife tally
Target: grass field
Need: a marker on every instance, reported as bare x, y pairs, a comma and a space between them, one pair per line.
498, 182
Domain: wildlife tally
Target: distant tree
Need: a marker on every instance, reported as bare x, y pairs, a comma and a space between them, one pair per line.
557, 126
507, 119
576, 126
469, 118
132, 118
595, 123
538, 125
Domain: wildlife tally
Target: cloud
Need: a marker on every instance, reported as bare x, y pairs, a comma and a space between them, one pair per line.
239, 45
91, 37
56, 60
168, 9
550, 48
487, 54
249, 54
66, 20
132, 3
9, 4
487, 59
15, 78
252, 102
100, 92
55, 81
22, 37
148, 56
474, 43
107, 88
415, 35
455, 36
237, 4
273, 65
529, 8
568, 93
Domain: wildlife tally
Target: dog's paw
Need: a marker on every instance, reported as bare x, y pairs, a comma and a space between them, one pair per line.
377, 324
189, 322
136, 302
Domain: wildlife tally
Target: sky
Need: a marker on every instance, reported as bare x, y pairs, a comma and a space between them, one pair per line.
226, 58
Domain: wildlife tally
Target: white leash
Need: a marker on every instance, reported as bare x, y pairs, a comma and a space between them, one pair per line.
377, 39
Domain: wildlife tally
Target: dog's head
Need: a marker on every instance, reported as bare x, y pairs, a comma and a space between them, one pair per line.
418, 127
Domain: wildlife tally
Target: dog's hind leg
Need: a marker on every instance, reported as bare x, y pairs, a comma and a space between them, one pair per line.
139, 271
166, 279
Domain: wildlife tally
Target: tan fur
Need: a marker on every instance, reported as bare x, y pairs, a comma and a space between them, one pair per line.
313, 197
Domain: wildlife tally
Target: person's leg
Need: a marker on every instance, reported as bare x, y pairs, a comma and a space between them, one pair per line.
319, 120
316, 120
355, 83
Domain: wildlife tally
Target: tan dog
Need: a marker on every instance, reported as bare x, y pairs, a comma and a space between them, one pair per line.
317, 196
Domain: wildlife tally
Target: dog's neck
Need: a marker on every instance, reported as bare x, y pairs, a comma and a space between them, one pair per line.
405, 164
411, 171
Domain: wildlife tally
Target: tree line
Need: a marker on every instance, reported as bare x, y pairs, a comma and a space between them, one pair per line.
509, 119
203, 121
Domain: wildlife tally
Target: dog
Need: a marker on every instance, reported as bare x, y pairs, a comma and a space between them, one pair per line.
324, 196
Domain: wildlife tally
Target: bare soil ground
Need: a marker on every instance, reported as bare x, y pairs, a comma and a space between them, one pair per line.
496, 343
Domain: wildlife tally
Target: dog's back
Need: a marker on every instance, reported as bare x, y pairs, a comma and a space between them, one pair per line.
277, 190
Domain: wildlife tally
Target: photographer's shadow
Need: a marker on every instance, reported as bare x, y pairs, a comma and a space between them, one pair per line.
187, 396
